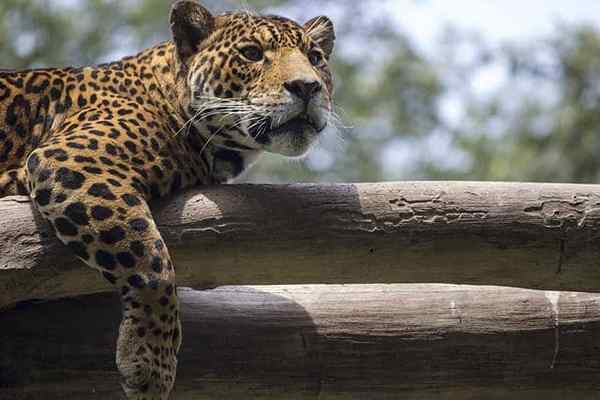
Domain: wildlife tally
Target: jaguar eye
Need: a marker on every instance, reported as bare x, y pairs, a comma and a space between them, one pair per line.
252, 53
315, 58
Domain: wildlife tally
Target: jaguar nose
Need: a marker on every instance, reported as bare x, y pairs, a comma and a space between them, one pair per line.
303, 89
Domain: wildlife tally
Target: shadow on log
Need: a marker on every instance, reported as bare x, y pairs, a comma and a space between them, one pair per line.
324, 342
542, 236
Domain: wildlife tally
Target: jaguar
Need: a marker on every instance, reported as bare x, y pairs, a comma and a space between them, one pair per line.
92, 146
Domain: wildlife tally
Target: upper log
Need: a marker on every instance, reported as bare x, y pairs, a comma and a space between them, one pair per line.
541, 236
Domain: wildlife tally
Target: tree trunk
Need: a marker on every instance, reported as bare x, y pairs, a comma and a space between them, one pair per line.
324, 342
542, 236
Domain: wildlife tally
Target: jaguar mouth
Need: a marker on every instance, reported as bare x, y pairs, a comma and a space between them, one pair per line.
298, 125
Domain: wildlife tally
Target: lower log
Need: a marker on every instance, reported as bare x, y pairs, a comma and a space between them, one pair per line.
324, 342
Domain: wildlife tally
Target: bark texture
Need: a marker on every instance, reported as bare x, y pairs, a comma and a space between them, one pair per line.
324, 342
543, 236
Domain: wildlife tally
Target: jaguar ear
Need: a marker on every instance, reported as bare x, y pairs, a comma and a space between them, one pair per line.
191, 23
320, 29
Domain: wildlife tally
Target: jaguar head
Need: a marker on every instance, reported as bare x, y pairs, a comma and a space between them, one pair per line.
255, 82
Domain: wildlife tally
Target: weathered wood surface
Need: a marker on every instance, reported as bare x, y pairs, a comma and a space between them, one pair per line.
324, 342
544, 236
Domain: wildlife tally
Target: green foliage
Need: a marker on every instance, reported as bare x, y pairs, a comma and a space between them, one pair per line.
544, 125
31, 33
37, 33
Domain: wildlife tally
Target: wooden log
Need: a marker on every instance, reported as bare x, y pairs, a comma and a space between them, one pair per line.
543, 236
324, 342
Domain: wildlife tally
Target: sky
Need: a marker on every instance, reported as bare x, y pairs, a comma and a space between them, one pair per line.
497, 20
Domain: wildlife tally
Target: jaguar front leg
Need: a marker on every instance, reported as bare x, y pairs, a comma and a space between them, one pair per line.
105, 220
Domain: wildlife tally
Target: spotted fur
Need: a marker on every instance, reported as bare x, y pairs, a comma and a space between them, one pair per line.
92, 146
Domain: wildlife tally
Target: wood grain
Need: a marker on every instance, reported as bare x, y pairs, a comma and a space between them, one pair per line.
543, 236
324, 342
